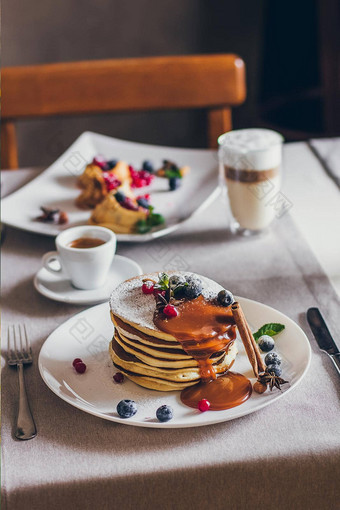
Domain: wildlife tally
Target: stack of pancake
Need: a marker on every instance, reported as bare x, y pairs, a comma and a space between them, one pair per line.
145, 354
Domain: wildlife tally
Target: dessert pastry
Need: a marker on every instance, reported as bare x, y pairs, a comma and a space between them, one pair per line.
96, 183
112, 214
107, 188
178, 331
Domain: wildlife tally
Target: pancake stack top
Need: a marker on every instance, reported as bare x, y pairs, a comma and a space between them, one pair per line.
171, 353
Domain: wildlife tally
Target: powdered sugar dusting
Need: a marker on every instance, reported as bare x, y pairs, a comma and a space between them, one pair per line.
129, 303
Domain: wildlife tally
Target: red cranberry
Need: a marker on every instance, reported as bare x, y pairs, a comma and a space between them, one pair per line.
170, 311
77, 360
118, 377
80, 367
148, 288
203, 405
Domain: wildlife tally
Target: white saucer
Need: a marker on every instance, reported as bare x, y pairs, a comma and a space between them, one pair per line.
59, 289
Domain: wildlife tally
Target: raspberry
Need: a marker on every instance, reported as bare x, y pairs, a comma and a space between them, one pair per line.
170, 311
140, 179
80, 367
111, 181
118, 377
77, 360
148, 288
203, 405
100, 161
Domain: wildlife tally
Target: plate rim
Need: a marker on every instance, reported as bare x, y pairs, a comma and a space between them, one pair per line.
169, 425
139, 238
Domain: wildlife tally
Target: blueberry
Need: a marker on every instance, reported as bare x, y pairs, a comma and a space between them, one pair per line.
119, 196
111, 163
126, 408
148, 166
274, 368
272, 359
225, 297
194, 287
174, 183
143, 203
266, 343
176, 279
164, 413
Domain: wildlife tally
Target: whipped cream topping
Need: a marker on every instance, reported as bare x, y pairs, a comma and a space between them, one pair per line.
251, 149
128, 302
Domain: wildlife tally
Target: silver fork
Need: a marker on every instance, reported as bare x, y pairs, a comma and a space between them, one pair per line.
19, 353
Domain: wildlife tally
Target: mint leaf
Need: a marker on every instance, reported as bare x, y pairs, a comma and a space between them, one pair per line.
173, 173
163, 281
142, 227
271, 329
155, 219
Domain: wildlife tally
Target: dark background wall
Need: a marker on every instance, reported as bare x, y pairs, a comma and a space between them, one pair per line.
263, 32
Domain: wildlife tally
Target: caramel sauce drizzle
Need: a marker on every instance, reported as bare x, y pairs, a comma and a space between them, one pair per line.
204, 328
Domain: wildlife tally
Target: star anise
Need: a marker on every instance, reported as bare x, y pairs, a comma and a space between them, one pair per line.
269, 378
49, 215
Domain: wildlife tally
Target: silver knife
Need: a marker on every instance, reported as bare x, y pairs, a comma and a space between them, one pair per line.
323, 336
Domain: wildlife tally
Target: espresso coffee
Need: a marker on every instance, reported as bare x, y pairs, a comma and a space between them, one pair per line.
86, 242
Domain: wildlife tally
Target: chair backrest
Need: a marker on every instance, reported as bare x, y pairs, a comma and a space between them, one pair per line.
212, 82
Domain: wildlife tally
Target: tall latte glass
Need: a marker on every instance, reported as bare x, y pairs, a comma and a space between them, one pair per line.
250, 163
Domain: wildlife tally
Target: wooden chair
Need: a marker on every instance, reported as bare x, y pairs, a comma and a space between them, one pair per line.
212, 82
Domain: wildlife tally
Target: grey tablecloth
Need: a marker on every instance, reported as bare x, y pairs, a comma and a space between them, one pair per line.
284, 456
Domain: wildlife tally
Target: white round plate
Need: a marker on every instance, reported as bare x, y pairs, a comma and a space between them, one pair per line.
60, 289
87, 336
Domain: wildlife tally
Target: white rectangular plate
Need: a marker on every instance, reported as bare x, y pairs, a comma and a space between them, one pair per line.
56, 186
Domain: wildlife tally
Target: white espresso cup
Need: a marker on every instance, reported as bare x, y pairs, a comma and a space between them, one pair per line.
87, 268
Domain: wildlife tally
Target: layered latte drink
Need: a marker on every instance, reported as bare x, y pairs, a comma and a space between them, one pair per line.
250, 162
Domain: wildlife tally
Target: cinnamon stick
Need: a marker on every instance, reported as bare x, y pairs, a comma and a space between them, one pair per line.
248, 340
260, 363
